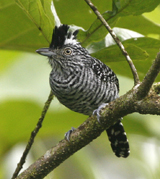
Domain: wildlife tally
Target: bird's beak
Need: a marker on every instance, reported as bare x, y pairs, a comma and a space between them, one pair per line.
45, 51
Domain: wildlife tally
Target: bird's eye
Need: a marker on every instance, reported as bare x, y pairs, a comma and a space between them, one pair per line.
67, 51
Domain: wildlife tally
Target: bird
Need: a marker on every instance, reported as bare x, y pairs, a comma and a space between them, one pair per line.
83, 83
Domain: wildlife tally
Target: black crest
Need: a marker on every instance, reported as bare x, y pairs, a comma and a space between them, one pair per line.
60, 35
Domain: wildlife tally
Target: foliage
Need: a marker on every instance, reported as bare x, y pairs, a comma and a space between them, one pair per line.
28, 25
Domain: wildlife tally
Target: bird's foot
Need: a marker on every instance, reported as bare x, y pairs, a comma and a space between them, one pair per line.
68, 134
98, 110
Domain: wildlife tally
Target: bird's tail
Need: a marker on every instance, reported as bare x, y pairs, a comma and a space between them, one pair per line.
118, 139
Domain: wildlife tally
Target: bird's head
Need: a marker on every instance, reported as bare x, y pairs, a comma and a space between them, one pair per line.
64, 45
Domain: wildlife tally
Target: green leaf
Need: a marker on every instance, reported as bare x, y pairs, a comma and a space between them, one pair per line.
150, 45
115, 6
114, 54
20, 32
138, 48
39, 11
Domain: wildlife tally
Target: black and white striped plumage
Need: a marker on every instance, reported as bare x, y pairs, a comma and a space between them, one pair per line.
83, 83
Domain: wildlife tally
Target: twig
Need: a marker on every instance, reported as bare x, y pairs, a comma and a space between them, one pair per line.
133, 69
148, 80
33, 135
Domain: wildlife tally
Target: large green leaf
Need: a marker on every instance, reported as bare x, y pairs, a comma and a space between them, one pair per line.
138, 48
39, 12
114, 54
18, 25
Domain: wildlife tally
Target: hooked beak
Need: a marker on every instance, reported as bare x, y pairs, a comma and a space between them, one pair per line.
45, 51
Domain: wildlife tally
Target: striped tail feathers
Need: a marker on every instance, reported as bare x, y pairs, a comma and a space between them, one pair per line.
118, 140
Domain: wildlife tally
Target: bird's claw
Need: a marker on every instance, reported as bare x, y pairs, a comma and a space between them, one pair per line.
97, 111
68, 134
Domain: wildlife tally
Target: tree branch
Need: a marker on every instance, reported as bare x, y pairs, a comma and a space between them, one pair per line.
33, 135
120, 45
149, 105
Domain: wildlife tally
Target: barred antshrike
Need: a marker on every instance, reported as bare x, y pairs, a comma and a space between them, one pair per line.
82, 83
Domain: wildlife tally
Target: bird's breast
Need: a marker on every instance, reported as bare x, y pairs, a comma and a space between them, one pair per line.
82, 91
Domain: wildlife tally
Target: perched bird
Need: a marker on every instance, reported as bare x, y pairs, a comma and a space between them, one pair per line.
82, 83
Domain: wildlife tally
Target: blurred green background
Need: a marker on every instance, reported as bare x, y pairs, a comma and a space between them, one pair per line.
24, 85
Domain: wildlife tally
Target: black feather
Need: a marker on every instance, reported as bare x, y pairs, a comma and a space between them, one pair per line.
75, 34
60, 34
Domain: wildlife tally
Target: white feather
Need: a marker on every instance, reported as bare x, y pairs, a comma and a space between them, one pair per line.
71, 41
